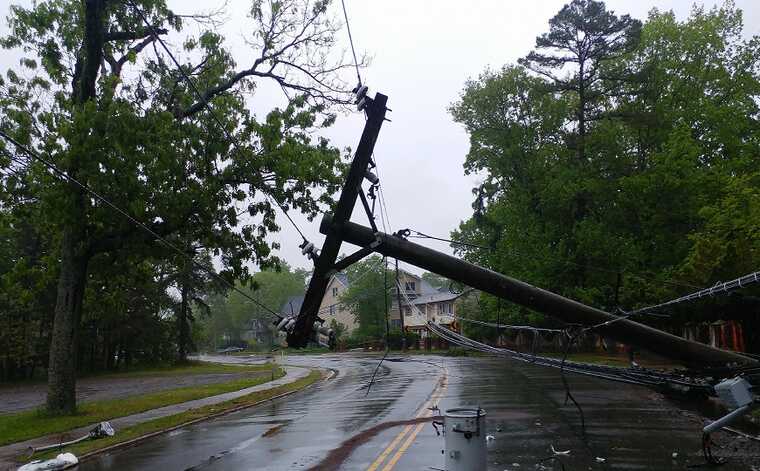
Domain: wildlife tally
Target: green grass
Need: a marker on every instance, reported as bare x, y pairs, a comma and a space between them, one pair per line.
168, 422
189, 367
25, 425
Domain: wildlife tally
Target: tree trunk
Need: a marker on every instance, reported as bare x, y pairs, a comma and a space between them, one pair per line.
61, 397
182, 326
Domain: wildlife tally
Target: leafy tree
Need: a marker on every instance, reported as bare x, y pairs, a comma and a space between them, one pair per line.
587, 36
368, 295
93, 76
667, 182
230, 314
436, 281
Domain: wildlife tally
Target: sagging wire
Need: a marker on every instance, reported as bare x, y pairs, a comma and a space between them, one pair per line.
351, 41
387, 326
52, 167
718, 288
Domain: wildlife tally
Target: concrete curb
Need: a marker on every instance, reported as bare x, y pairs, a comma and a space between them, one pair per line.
4, 464
136, 440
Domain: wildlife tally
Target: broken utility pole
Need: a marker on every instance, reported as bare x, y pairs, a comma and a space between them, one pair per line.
669, 345
324, 264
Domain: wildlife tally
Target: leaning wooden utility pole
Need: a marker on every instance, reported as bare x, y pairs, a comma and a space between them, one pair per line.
624, 330
324, 263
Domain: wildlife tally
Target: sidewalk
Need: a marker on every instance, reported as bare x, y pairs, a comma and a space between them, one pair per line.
9, 453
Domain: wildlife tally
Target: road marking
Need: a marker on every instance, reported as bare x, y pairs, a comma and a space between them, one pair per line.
392, 463
376, 464
422, 411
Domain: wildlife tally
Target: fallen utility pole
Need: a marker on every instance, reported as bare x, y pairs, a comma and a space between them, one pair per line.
324, 264
624, 330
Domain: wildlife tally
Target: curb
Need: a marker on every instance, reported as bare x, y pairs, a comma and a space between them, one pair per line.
136, 440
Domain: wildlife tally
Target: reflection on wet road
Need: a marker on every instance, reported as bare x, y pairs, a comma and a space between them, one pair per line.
627, 427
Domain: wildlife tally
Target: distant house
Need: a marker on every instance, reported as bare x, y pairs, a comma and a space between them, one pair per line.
259, 331
331, 307
420, 303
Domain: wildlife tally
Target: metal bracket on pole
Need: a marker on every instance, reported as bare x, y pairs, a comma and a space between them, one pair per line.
375, 109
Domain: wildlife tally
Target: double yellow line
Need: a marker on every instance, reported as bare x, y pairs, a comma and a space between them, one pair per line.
424, 411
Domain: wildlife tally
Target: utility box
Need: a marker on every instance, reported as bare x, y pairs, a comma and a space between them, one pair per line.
465, 439
734, 392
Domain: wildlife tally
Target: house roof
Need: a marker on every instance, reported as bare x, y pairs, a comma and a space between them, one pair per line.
434, 297
292, 306
342, 278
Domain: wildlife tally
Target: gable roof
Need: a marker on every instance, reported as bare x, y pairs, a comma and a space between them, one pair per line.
292, 305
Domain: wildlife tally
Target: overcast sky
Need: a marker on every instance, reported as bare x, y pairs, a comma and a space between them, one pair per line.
422, 53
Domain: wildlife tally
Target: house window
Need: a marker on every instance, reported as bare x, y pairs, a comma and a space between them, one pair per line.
332, 309
396, 323
335, 291
409, 286
450, 307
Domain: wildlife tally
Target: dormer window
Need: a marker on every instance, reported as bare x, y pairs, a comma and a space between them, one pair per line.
335, 291
410, 286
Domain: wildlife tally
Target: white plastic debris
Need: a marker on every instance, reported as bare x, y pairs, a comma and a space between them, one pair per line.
562, 453
599, 459
674, 455
62, 461
490, 438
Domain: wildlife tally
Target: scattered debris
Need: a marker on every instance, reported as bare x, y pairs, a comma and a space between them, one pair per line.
489, 438
674, 455
62, 461
103, 429
599, 459
563, 453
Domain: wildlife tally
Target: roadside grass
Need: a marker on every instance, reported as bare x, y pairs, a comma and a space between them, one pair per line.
167, 369
30, 424
174, 421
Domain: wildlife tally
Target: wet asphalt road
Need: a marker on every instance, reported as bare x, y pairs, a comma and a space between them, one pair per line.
627, 427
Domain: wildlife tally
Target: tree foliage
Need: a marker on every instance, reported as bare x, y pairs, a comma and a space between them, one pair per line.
368, 296
665, 197
97, 96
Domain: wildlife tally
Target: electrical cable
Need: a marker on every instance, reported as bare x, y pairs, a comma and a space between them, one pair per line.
230, 137
387, 327
718, 288
51, 166
351, 40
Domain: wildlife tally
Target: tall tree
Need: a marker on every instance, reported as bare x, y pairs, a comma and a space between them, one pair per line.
587, 36
175, 169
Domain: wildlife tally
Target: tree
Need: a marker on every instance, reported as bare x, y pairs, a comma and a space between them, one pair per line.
230, 314
368, 295
667, 184
584, 34
176, 169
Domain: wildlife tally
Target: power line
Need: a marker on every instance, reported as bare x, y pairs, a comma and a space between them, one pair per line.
351, 40
230, 137
50, 165
718, 288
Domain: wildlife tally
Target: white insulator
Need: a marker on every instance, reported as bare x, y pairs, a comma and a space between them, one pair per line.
282, 323
465, 439
290, 324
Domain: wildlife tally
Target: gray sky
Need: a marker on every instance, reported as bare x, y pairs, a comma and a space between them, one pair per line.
422, 53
